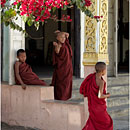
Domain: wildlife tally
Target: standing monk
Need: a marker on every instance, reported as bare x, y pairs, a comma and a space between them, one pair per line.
94, 88
63, 72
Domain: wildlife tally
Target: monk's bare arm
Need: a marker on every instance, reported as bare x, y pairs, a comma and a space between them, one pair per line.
17, 74
57, 48
100, 93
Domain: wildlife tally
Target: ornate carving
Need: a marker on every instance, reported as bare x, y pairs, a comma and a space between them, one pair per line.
93, 54
90, 29
91, 58
103, 26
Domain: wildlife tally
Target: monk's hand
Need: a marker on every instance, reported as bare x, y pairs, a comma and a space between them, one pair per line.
57, 31
108, 94
66, 35
24, 86
55, 44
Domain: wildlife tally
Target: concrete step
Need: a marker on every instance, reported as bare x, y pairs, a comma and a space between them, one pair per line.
121, 123
113, 90
121, 79
118, 90
118, 100
118, 111
76, 94
111, 81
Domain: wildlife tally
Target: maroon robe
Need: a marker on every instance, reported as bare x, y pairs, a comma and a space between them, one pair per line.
99, 119
27, 76
63, 73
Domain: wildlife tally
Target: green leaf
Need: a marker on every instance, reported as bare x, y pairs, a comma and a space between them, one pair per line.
6, 13
30, 22
42, 23
18, 5
18, 12
13, 13
54, 9
42, 12
24, 18
12, 26
6, 23
64, 8
16, 18
81, 4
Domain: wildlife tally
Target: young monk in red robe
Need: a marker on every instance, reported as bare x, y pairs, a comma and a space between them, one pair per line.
94, 88
23, 72
62, 61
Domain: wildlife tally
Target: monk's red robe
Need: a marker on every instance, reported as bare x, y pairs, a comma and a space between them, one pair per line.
63, 72
98, 119
27, 76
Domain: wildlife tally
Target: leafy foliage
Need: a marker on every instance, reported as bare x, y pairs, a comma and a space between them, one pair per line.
36, 11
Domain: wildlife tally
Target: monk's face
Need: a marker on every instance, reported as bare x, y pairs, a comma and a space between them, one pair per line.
104, 72
61, 38
22, 57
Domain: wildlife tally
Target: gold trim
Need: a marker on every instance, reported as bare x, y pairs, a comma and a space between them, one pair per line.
91, 58
90, 29
103, 47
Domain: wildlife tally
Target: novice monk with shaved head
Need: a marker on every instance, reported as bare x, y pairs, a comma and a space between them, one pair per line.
23, 72
94, 88
62, 61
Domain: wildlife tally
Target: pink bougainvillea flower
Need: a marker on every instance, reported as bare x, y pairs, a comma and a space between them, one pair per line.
15, 3
2, 2
88, 3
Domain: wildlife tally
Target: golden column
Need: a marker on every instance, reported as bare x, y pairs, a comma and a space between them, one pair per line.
96, 37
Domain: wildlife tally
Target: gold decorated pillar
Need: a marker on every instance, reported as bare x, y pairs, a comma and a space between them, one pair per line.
96, 37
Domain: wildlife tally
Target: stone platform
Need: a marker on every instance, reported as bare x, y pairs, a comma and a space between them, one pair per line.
35, 107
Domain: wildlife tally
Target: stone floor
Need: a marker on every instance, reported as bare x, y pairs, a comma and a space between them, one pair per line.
120, 123
4, 126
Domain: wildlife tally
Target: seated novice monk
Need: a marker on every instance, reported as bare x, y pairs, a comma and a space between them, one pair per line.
94, 88
23, 72
62, 61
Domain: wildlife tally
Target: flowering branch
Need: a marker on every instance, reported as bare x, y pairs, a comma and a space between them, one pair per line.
36, 11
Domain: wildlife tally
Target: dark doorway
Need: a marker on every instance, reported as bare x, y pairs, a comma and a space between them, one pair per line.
77, 43
123, 36
39, 45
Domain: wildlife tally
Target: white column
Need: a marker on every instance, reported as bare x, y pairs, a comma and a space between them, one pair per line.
5, 66
98, 29
115, 37
82, 18
16, 41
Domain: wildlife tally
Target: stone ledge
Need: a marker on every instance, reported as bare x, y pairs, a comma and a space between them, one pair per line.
35, 108
63, 115
45, 92
69, 102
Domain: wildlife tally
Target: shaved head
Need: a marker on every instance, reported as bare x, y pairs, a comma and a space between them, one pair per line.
100, 66
59, 34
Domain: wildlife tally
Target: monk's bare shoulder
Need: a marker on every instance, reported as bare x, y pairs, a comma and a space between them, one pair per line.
101, 83
17, 63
